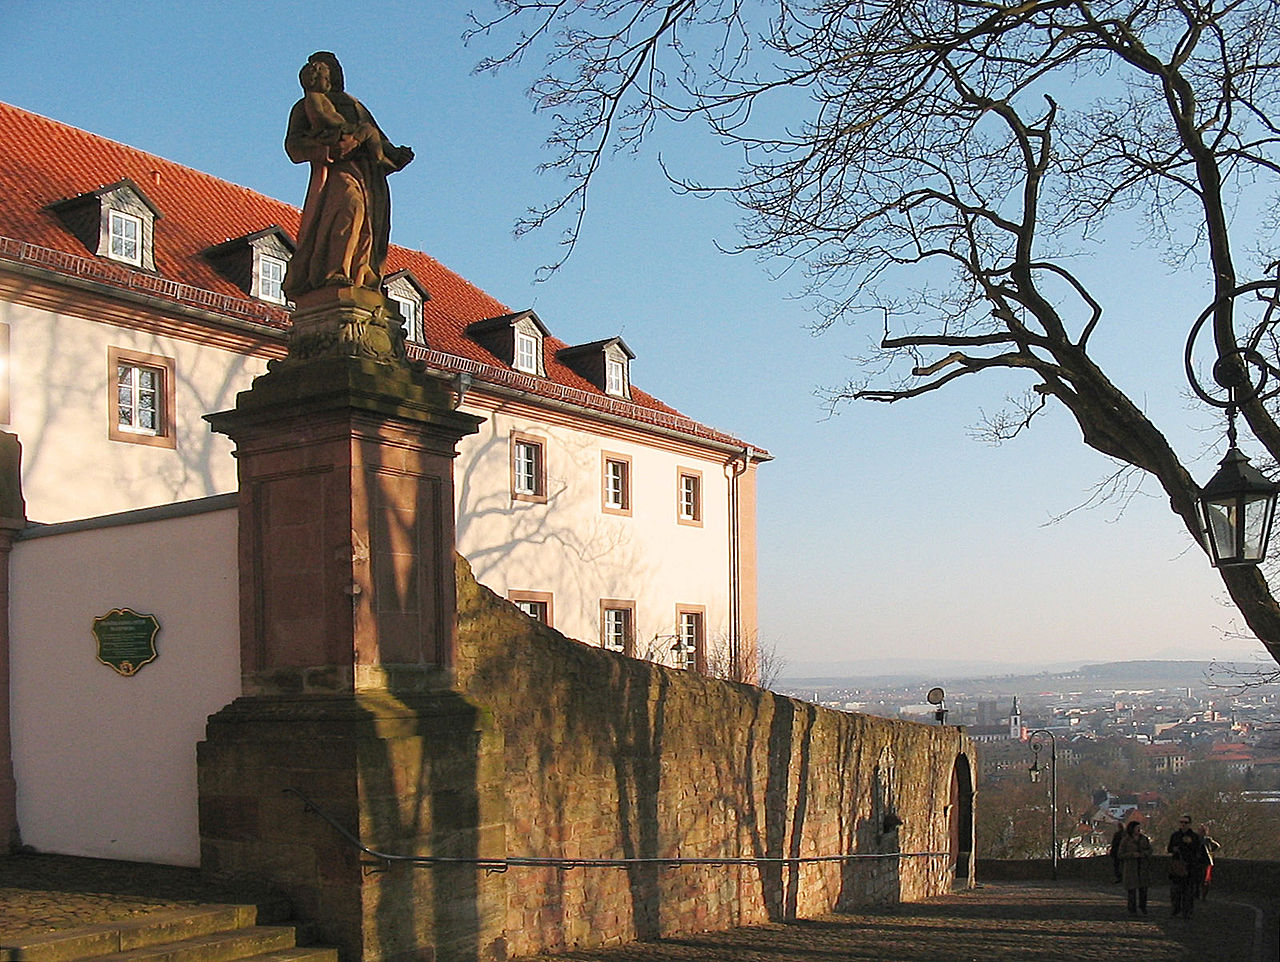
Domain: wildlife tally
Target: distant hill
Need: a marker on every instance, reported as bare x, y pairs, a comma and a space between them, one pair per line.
1127, 675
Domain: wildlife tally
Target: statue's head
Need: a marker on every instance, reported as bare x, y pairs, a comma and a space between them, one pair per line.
335, 68
314, 76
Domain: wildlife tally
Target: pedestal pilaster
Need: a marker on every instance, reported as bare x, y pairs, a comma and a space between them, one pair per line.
346, 525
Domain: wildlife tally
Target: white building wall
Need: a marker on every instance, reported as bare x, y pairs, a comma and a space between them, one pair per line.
60, 397
59, 401
106, 764
571, 547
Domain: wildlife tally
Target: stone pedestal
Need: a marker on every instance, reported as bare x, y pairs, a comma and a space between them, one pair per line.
346, 526
347, 634
345, 321
412, 774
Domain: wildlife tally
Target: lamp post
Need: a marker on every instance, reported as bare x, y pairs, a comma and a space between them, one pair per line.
1238, 504
938, 699
1036, 740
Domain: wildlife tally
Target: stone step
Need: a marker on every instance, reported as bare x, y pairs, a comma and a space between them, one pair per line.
296, 954
88, 941
229, 946
214, 933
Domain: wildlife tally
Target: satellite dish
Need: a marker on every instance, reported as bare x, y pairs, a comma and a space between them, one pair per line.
935, 696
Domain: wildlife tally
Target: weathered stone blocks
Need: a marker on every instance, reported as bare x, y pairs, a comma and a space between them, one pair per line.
611, 757
404, 776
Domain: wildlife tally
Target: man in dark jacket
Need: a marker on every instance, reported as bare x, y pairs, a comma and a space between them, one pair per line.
1186, 872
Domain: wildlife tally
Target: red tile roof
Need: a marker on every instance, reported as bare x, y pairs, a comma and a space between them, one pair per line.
1231, 752
43, 161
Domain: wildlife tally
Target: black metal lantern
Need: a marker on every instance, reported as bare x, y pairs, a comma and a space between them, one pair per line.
1237, 507
1238, 504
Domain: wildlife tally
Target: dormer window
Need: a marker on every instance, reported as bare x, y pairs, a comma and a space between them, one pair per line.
409, 295
116, 222
411, 311
606, 364
615, 377
516, 339
256, 263
126, 237
526, 353
271, 279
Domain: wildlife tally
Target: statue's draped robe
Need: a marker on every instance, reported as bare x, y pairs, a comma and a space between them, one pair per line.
346, 219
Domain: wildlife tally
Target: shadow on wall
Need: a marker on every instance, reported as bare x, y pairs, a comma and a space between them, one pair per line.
553, 748
61, 374
422, 789
612, 757
590, 546
420, 784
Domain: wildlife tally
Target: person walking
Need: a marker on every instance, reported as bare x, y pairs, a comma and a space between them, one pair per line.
1116, 839
1135, 859
1186, 871
1210, 846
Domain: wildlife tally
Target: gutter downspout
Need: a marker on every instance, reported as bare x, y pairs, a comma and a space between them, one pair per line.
736, 468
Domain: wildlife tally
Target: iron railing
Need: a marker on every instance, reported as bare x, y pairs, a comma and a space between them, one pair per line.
383, 860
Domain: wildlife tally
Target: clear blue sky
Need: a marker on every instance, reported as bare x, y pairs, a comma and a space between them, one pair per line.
885, 532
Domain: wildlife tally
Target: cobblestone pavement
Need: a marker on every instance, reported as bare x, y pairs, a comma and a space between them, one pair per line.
1025, 921
997, 922
44, 893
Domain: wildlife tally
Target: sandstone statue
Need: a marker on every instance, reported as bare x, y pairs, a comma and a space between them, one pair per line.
346, 219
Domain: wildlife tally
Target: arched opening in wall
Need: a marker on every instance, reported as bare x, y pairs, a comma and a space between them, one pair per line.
961, 808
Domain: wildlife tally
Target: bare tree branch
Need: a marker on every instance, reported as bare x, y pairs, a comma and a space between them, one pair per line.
973, 140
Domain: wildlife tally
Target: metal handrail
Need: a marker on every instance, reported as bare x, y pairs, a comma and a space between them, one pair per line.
502, 864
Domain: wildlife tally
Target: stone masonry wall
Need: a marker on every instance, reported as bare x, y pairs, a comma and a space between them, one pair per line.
608, 756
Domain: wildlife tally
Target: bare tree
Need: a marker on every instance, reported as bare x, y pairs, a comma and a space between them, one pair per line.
973, 145
770, 663
718, 659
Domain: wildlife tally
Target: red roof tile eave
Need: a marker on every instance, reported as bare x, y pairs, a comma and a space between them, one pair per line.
613, 408
137, 283
133, 283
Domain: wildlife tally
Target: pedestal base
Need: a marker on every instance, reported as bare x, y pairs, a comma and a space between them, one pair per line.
418, 775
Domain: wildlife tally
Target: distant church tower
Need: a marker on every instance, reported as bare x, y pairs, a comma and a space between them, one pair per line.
1015, 720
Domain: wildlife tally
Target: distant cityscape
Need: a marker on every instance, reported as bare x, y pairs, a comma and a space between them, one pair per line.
1130, 740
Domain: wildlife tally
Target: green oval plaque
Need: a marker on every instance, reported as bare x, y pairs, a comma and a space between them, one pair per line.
126, 639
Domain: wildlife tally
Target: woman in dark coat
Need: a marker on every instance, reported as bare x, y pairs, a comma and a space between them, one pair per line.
1135, 861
